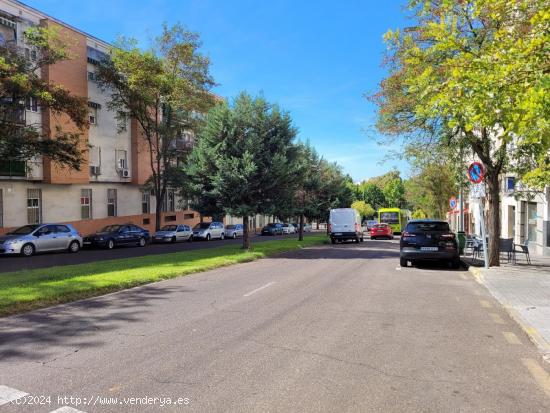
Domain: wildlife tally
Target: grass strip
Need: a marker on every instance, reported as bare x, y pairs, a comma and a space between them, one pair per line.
27, 290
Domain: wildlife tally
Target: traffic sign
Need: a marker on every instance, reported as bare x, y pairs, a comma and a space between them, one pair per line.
477, 191
476, 172
452, 202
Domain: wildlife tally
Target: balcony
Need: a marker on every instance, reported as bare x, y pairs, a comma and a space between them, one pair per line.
13, 168
12, 115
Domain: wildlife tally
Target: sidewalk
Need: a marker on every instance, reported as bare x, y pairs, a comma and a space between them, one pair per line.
524, 291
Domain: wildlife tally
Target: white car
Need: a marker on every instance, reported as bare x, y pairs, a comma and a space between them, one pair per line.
209, 230
173, 233
289, 229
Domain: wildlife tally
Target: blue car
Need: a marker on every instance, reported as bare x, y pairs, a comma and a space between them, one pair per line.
114, 235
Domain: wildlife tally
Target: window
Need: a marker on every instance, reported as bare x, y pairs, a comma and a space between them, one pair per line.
121, 159
111, 203
510, 183
145, 202
188, 216
1, 209
31, 103
169, 201
62, 229
91, 76
93, 116
34, 206
170, 218
86, 203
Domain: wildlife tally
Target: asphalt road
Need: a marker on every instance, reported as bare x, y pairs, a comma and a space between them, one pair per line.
52, 259
335, 328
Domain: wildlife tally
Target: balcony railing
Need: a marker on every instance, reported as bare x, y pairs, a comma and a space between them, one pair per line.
14, 115
13, 168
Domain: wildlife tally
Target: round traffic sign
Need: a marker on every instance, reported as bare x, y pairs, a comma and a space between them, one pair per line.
452, 202
476, 172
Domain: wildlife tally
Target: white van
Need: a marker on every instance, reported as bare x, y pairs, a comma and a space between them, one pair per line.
345, 224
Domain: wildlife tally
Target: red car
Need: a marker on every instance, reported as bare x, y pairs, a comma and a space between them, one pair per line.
381, 231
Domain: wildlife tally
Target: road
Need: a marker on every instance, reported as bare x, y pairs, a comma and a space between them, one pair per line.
335, 328
16, 263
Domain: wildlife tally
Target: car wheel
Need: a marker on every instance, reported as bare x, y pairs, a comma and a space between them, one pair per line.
142, 242
110, 244
333, 241
234, 235
208, 237
455, 264
362, 239
403, 262
74, 246
222, 237
190, 239
173, 240
27, 250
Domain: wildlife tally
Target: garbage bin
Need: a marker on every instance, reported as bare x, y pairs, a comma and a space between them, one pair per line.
461, 242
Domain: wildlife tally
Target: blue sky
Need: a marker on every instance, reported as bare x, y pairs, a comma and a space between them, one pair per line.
315, 58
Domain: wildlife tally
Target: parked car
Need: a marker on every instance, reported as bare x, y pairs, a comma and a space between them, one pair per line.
344, 225
209, 230
426, 239
30, 239
381, 231
289, 229
370, 224
308, 228
114, 235
234, 231
296, 227
273, 228
174, 233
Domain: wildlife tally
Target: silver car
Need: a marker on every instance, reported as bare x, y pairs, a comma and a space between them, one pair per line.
209, 230
173, 233
29, 239
234, 231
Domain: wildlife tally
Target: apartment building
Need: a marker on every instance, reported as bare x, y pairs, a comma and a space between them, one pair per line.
109, 188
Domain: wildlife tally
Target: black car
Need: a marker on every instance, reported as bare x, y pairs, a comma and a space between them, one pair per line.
427, 239
113, 235
273, 229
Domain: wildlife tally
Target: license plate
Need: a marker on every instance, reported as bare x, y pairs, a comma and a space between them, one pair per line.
428, 248
87, 242
337, 233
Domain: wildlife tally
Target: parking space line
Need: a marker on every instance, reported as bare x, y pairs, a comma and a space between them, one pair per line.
497, 319
539, 374
7, 394
485, 304
511, 337
258, 289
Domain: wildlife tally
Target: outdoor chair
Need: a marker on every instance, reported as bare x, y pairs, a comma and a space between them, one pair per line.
523, 249
507, 246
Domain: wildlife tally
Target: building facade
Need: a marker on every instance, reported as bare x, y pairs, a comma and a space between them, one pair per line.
109, 187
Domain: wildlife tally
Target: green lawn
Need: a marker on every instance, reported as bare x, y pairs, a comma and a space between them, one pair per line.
30, 289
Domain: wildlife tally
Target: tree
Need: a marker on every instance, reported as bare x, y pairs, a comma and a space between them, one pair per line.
20, 82
364, 209
394, 192
473, 74
374, 196
164, 89
248, 149
419, 214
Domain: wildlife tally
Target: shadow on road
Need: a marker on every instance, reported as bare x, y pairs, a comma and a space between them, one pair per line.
29, 337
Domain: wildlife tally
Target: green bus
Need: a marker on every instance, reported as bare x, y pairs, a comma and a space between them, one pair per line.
396, 218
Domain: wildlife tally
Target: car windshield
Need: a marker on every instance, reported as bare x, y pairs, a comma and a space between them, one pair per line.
381, 226
271, 225
230, 227
389, 217
169, 228
204, 225
24, 230
427, 226
111, 228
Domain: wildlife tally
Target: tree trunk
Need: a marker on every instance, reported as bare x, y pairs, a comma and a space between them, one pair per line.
493, 218
246, 237
158, 212
301, 232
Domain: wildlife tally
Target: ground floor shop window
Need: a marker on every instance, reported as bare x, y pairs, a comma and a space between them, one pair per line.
145, 202
34, 206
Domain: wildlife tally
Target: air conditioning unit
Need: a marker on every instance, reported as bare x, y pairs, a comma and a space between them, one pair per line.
95, 170
125, 173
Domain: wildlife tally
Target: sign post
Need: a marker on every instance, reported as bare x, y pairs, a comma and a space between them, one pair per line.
476, 173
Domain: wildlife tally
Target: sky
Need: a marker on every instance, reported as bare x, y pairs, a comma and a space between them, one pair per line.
316, 59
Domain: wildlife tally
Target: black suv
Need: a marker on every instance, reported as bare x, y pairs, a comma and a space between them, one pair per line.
428, 239
113, 235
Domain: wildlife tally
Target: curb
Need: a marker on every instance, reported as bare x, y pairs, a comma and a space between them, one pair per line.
533, 334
